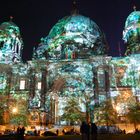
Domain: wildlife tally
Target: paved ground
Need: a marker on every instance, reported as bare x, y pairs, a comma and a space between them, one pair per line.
100, 137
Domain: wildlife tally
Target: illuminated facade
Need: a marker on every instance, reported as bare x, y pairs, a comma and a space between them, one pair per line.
71, 62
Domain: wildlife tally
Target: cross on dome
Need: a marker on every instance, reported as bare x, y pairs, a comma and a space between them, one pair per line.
134, 7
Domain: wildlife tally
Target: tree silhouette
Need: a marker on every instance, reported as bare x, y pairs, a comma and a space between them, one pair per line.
106, 114
133, 114
72, 111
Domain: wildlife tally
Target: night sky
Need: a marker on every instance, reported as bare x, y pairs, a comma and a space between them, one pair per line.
35, 18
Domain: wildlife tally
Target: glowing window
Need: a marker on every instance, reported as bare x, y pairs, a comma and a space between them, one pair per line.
2, 82
39, 85
22, 84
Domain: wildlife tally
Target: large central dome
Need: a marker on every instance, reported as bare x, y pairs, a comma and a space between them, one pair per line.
73, 36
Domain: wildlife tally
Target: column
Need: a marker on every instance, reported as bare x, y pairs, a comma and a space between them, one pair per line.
43, 87
95, 82
107, 82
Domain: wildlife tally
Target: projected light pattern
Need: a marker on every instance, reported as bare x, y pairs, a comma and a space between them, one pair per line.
72, 37
70, 65
126, 71
2, 82
11, 43
131, 33
72, 77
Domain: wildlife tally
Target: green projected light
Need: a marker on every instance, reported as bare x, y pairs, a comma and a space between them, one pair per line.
131, 33
11, 43
72, 37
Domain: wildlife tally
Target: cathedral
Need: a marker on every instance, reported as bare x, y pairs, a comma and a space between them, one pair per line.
71, 62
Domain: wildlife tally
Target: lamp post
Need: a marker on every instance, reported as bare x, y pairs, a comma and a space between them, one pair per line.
14, 111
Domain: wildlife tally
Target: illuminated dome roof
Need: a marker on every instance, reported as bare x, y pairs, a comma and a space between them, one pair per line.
73, 36
134, 17
131, 33
10, 43
6, 25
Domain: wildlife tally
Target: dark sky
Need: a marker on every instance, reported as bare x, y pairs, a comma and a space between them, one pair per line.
36, 17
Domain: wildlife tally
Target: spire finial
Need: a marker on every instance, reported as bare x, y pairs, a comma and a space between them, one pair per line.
74, 2
74, 8
120, 54
11, 18
134, 7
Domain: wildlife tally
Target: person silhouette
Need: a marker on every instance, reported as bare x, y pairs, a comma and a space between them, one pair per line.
18, 133
22, 132
57, 132
83, 130
87, 130
93, 131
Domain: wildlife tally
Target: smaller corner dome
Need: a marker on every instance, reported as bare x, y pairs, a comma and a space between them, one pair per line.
131, 33
134, 17
10, 25
11, 43
5, 25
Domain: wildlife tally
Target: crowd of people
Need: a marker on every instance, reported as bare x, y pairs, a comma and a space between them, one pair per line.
88, 131
20, 133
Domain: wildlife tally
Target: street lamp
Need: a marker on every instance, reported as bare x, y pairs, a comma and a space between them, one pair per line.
14, 110
118, 109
